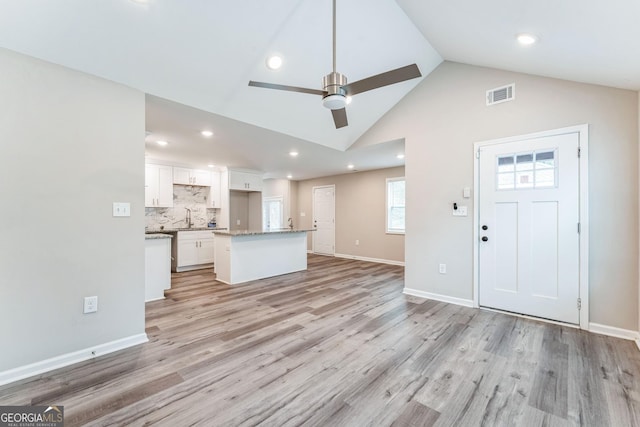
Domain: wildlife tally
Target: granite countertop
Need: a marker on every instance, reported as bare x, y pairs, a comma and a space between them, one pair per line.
175, 230
151, 236
259, 232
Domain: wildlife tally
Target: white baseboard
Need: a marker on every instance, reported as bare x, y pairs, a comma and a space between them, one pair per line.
63, 360
367, 259
615, 332
444, 298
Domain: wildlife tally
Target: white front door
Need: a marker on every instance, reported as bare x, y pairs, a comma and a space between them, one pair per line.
324, 220
529, 248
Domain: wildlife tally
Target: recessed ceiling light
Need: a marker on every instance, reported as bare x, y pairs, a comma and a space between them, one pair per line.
206, 133
289, 176
293, 153
350, 166
140, 1
400, 156
211, 166
162, 143
348, 100
526, 39
274, 62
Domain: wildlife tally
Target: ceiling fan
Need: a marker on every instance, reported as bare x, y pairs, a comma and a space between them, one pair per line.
335, 88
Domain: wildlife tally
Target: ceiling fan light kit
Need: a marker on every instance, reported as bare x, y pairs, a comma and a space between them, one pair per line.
335, 89
333, 85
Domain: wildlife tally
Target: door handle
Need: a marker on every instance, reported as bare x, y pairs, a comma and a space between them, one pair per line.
485, 238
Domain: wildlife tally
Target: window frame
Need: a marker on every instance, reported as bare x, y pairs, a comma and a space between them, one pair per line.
388, 207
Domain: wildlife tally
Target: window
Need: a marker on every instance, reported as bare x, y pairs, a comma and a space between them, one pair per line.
395, 205
272, 212
527, 170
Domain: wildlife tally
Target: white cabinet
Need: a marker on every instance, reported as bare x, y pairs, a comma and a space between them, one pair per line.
244, 181
214, 199
194, 249
191, 177
158, 186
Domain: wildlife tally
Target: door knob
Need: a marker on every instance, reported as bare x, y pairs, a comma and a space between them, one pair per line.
484, 227
485, 238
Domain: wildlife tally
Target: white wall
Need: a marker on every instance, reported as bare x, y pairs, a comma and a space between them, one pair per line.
70, 145
446, 114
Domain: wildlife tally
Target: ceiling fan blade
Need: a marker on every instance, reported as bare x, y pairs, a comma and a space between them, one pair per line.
289, 88
384, 79
340, 117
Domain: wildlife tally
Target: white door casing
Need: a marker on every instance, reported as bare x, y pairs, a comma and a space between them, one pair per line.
324, 220
535, 257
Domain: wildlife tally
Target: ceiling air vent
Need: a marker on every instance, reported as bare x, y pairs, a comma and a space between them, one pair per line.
501, 94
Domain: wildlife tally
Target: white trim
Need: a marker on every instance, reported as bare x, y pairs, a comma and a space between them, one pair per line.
194, 267
583, 138
367, 259
638, 343
63, 360
583, 134
438, 297
612, 331
386, 206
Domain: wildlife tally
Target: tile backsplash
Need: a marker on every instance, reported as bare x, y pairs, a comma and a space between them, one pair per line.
184, 196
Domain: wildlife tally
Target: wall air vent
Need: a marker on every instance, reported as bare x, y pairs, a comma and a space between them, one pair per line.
501, 94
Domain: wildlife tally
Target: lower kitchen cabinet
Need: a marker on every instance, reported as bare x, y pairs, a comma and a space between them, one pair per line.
193, 250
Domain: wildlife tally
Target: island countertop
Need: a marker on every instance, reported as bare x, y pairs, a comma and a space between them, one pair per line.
234, 233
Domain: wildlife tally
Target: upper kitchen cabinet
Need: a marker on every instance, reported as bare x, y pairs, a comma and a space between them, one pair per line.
191, 177
244, 181
158, 186
214, 200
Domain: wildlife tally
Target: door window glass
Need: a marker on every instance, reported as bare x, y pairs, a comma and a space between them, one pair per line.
527, 170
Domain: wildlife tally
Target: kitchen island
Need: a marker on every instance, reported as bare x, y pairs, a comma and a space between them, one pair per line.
244, 255
157, 265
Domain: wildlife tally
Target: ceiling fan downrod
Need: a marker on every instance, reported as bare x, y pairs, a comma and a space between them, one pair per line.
332, 83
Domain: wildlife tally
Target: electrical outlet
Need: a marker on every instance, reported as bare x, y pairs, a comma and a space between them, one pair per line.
90, 304
357, 242
442, 268
237, 222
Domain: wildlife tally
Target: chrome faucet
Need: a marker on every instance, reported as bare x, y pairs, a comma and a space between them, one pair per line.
291, 223
188, 218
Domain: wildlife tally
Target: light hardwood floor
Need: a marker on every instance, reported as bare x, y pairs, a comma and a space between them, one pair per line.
340, 345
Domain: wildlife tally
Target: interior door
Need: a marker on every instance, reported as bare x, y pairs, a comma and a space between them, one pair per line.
324, 220
529, 236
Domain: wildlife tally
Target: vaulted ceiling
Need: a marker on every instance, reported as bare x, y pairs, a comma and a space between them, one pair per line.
202, 53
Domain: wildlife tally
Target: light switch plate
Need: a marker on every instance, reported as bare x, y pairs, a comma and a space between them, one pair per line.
461, 211
90, 305
121, 209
